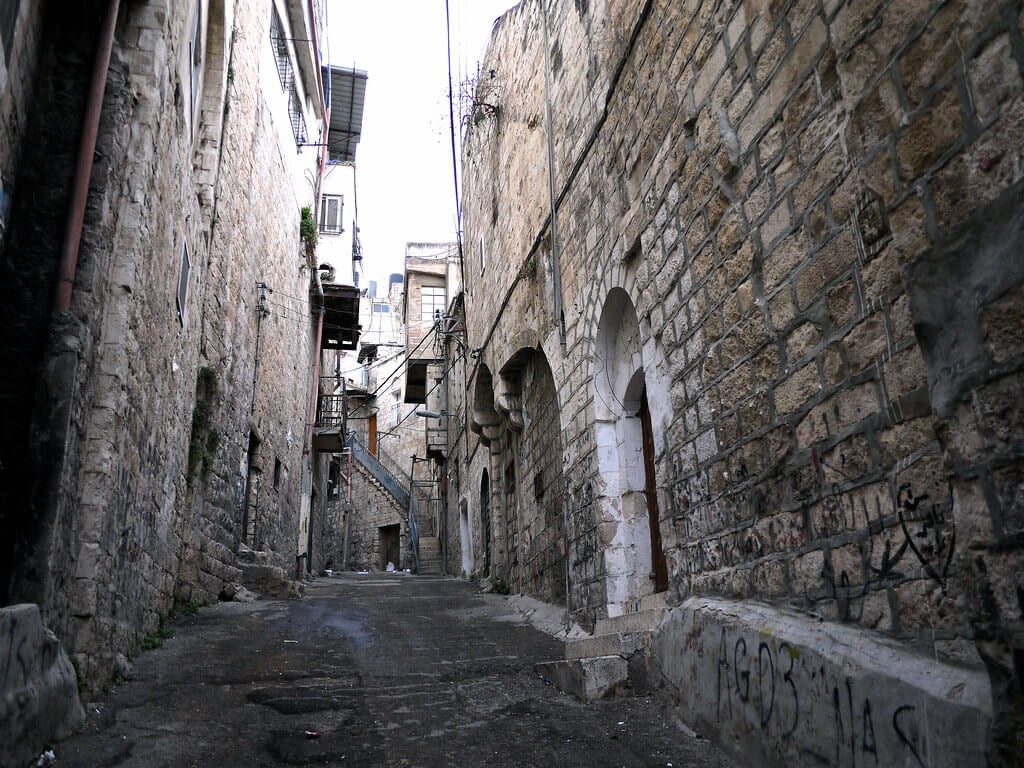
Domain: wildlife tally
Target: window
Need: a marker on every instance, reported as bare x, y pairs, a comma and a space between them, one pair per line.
330, 214
334, 478
196, 57
381, 308
277, 473
483, 257
296, 117
432, 303
279, 41
183, 281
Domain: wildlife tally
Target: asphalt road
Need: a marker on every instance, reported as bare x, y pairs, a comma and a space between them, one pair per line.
368, 670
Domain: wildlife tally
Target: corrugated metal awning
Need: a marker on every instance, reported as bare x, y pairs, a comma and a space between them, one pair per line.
346, 96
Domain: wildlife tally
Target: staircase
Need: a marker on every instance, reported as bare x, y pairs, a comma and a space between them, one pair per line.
611, 661
430, 556
260, 575
425, 544
381, 474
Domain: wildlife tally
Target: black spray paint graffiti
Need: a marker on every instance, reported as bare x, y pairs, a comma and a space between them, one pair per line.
927, 533
777, 700
769, 687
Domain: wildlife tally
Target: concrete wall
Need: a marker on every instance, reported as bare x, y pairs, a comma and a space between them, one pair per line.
797, 200
781, 691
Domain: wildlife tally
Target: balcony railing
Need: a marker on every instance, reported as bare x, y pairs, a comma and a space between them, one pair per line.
330, 411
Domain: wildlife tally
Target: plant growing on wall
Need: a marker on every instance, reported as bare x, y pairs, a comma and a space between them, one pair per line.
307, 231
479, 96
205, 438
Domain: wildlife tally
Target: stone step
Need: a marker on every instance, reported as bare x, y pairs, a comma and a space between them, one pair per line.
269, 581
587, 679
631, 622
613, 644
430, 556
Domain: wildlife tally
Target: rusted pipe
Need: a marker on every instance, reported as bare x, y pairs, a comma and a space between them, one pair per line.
316, 367
83, 165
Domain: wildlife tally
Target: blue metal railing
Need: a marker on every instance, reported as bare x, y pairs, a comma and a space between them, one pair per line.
394, 485
381, 473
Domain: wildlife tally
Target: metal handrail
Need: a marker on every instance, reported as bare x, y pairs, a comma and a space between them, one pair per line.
378, 469
392, 465
414, 532
381, 472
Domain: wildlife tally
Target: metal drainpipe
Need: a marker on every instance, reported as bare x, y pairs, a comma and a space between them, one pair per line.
83, 165
316, 369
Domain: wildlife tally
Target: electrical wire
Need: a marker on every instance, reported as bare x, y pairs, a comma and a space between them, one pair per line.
437, 384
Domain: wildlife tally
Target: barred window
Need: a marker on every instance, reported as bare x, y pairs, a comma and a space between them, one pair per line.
295, 116
183, 275
286, 73
279, 41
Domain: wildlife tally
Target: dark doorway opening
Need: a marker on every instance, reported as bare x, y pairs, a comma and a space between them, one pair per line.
651, 492
390, 545
485, 520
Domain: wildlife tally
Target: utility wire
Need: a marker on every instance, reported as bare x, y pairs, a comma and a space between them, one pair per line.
455, 165
405, 359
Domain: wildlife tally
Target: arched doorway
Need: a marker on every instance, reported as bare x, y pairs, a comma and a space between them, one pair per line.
485, 519
634, 560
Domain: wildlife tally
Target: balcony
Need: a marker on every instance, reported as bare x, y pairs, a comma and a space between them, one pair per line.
341, 318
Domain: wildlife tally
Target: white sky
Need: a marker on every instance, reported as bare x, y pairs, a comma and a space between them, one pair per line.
403, 161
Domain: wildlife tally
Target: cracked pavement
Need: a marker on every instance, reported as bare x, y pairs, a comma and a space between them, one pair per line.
368, 670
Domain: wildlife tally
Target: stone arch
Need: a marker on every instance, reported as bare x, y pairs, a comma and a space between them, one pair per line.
210, 109
627, 375
486, 418
531, 456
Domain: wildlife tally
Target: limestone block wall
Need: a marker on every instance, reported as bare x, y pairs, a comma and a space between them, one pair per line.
371, 509
38, 688
159, 415
265, 359
18, 63
797, 199
35, 219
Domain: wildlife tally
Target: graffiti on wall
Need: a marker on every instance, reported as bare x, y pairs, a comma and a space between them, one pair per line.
792, 696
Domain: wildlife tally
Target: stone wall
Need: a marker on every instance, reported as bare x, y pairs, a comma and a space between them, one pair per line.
38, 687
173, 401
18, 63
371, 509
796, 200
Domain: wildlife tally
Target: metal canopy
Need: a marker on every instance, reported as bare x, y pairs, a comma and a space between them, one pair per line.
346, 96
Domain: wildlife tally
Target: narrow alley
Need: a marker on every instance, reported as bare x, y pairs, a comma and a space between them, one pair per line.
368, 670
700, 322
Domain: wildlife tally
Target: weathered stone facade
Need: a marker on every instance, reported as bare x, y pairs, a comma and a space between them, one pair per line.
786, 261
163, 420
18, 66
374, 526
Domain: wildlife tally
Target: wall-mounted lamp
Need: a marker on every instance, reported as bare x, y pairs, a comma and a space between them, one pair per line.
431, 414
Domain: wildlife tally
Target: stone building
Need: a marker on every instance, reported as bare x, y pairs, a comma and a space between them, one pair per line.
160, 328
743, 296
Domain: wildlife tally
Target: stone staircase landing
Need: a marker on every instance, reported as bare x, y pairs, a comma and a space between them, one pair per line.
611, 661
